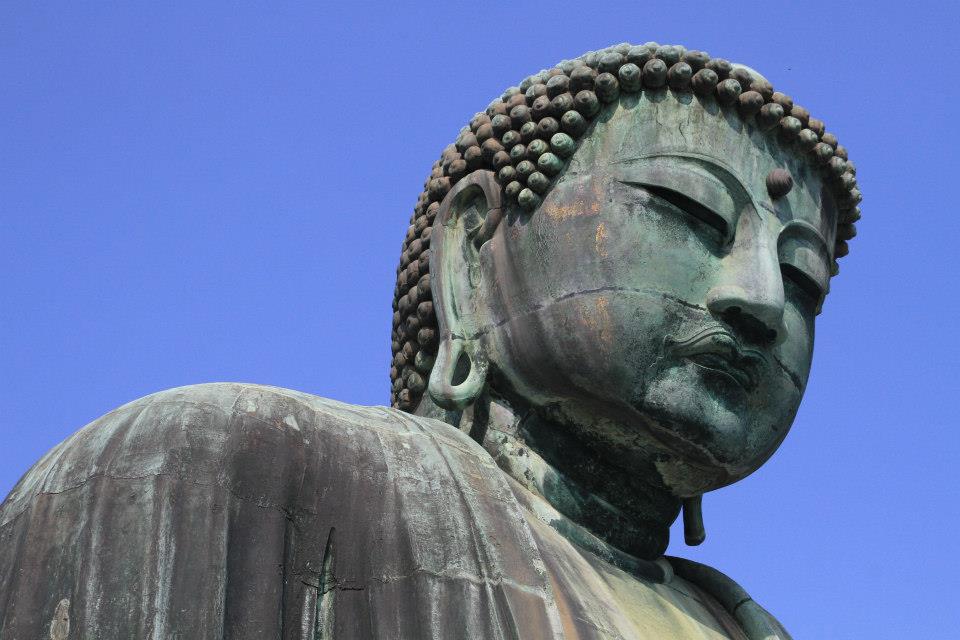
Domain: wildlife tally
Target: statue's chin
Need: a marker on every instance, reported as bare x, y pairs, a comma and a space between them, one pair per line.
675, 445
707, 427
701, 429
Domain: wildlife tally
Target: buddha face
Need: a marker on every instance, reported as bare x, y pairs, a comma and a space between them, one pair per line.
660, 301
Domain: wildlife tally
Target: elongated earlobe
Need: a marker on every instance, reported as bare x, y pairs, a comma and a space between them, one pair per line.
693, 531
443, 387
468, 217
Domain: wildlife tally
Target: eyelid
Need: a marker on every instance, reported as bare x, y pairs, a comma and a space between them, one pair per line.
802, 247
689, 206
687, 180
802, 279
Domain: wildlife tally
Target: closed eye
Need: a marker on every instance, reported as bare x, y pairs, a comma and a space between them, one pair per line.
690, 206
804, 282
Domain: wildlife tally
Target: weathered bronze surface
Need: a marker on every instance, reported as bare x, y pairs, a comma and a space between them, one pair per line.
605, 309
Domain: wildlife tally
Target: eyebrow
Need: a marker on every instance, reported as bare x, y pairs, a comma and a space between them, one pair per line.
800, 227
712, 163
715, 168
707, 161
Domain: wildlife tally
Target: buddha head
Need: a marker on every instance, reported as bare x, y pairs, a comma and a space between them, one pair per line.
635, 244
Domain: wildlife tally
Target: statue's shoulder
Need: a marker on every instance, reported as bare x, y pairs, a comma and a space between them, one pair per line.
224, 407
249, 432
232, 403
212, 510
755, 621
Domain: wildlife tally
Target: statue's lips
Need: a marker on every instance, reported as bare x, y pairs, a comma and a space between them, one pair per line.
717, 349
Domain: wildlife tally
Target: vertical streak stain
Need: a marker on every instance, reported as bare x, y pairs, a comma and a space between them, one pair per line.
60, 625
326, 590
285, 585
499, 613
164, 568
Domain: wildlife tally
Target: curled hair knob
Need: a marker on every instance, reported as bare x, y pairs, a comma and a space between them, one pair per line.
655, 73
629, 75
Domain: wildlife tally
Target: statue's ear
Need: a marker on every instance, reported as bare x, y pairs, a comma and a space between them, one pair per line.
468, 216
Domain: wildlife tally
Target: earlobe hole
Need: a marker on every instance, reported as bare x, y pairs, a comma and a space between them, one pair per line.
462, 370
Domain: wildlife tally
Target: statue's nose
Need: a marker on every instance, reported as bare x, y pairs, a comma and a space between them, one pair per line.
749, 289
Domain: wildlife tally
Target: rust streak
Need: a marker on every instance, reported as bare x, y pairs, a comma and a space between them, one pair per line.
600, 240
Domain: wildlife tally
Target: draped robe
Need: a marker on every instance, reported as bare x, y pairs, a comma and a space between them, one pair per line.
244, 511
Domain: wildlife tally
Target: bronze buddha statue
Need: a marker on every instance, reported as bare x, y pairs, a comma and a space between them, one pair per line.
605, 308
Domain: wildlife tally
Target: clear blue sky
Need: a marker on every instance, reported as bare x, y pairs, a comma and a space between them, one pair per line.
193, 192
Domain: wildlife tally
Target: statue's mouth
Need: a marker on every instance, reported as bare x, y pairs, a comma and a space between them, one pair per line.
716, 349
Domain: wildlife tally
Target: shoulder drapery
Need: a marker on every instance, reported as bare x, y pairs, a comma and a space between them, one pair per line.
243, 511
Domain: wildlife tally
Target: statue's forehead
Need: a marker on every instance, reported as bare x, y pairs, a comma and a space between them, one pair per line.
667, 124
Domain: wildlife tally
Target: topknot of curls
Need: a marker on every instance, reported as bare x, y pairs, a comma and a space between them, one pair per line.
527, 135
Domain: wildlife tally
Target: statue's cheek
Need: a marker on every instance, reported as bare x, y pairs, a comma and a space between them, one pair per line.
794, 353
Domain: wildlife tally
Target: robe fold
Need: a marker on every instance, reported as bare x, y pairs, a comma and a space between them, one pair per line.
244, 511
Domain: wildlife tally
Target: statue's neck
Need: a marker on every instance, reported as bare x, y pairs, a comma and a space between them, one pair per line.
628, 509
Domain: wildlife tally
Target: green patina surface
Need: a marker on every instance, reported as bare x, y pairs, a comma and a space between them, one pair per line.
581, 359
654, 316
